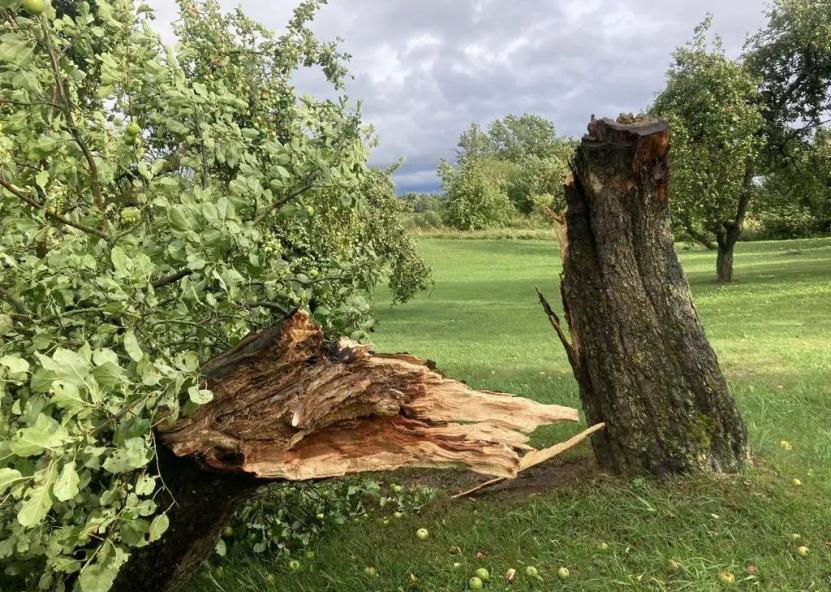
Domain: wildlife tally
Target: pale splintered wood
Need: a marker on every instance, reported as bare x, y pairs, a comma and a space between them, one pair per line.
289, 405
537, 457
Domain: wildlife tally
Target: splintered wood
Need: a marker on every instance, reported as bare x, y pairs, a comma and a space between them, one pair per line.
289, 405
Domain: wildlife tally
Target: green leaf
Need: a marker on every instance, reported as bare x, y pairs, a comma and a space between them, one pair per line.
132, 347
200, 396
16, 49
44, 434
15, 364
7, 477
5, 324
133, 455
145, 485
158, 527
66, 487
37, 504
122, 264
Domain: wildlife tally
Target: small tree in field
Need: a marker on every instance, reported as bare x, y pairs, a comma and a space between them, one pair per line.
155, 208
713, 107
475, 196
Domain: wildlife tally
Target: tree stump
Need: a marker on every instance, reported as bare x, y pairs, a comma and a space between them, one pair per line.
291, 406
638, 350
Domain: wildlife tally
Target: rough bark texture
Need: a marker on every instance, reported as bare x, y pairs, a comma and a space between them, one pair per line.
288, 405
638, 349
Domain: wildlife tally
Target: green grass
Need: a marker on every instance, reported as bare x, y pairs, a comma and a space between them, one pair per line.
481, 323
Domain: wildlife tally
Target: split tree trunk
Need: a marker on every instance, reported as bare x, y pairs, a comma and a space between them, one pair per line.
638, 350
724, 260
289, 405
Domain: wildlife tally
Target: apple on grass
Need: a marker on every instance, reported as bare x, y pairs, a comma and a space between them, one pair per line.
483, 574
475, 583
726, 578
422, 534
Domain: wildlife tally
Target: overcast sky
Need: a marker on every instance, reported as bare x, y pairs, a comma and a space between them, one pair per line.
425, 69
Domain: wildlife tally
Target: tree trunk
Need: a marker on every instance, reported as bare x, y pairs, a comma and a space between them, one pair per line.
724, 261
289, 405
639, 352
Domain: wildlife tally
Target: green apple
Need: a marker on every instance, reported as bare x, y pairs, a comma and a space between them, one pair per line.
422, 534
133, 129
796, 536
563, 573
603, 547
321, 516
397, 515
309, 555
294, 565
475, 583
228, 531
310, 211
532, 572
483, 574
726, 578
797, 482
370, 571
396, 488
33, 6
803, 551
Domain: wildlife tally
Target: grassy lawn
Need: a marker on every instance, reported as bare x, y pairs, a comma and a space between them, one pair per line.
481, 323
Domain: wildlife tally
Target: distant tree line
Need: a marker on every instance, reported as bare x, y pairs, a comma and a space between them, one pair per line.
751, 144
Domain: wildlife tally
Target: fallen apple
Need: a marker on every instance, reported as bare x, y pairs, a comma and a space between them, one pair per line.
309, 555
796, 482
397, 515
803, 551
796, 536
294, 565
370, 571
422, 534
532, 572
603, 547
475, 583
483, 574
563, 573
726, 578
397, 488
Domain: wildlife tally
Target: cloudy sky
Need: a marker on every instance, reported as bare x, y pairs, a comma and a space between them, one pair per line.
426, 68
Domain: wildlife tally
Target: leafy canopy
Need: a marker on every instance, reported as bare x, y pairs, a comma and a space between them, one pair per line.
156, 207
713, 106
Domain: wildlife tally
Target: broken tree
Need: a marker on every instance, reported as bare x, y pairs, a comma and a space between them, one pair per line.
638, 349
288, 405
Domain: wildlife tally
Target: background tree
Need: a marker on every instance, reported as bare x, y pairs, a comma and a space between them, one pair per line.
474, 198
151, 216
713, 107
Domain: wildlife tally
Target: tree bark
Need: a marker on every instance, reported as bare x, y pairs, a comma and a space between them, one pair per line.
724, 260
288, 405
639, 353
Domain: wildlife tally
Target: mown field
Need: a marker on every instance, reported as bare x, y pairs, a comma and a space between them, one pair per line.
482, 323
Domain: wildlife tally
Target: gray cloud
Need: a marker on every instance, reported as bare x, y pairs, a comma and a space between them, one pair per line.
424, 69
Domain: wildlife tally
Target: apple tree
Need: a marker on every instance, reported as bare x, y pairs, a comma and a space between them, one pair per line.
714, 109
155, 208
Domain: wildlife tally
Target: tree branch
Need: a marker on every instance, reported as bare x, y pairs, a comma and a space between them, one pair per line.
699, 237
291, 196
20, 194
66, 109
555, 322
172, 278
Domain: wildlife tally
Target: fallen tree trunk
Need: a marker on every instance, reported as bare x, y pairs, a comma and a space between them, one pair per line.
288, 405
638, 349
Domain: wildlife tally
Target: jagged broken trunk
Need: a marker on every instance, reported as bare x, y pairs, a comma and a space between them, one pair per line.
288, 405
638, 349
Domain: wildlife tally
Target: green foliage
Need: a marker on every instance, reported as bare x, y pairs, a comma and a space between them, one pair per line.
475, 199
154, 209
524, 155
286, 519
712, 104
795, 198
792, 58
